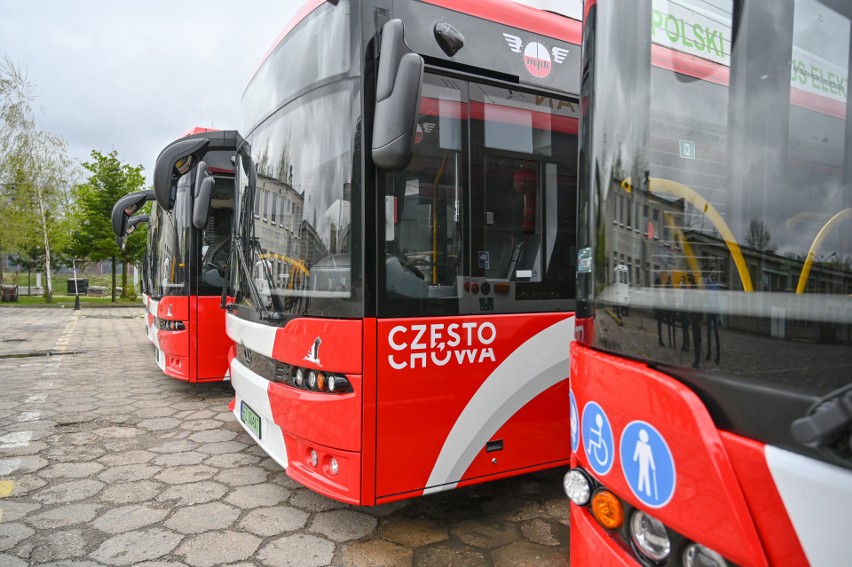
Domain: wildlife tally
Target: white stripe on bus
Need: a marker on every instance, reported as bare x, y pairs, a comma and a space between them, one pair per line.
818, 499
543, 360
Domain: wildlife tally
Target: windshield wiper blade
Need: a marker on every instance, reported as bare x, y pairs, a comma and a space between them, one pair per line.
265, 314
257, 249
826, 419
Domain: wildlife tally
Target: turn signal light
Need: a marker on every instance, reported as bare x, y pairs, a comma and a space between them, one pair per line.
607, 509
169, 325
317, 381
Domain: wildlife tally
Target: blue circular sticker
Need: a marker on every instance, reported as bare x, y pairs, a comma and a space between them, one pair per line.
575, 423
597, 438
647, 464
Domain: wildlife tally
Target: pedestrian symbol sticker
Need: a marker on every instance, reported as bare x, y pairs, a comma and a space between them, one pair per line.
647, 464
597, 438
575, 423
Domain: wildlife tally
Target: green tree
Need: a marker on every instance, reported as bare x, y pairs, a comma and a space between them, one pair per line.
35, 175
109, 180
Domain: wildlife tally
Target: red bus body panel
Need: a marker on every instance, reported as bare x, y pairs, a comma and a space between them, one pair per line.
708, 504
199, 353
500, 378
461, 412
209, 340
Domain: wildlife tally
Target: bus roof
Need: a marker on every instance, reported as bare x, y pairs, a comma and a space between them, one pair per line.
506, 12
197, 130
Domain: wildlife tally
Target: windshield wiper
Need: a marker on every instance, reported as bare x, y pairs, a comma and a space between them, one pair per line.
257, 249
829, 422
265, 314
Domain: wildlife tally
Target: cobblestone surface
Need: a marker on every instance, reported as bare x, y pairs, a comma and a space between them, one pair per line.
105, 461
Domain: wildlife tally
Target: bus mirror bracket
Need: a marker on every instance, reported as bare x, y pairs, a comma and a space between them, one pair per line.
132, 223
125, 207
178, 154
398, 85
204, 183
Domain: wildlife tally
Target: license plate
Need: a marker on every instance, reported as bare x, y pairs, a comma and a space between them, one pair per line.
250, 418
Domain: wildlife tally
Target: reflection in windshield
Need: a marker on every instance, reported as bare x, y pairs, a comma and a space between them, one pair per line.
297, 224
721, 181
171, 239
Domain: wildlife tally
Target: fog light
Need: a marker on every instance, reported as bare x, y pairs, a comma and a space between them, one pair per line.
650, 536
333, 466
314, 458
607, 509
338, 384
577, 487
697, 555
299, 380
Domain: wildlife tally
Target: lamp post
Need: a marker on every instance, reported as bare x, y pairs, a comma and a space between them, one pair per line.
76, 291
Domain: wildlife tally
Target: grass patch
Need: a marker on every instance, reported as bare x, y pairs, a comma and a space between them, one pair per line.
68, 301
61, 298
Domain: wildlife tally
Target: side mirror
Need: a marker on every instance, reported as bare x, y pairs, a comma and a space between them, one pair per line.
398, 86
204, 183
125, 207
176, 159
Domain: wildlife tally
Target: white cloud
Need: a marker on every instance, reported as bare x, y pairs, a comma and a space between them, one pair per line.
135, 76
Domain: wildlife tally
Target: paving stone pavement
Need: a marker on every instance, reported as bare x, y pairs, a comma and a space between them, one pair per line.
105, 461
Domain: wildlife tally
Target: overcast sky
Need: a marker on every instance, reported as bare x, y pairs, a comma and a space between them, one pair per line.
133, 76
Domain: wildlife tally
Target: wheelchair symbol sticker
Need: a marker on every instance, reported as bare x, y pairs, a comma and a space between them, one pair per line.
575, 423
597, 438
647, 464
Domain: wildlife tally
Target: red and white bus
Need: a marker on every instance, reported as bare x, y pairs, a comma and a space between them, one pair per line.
189, 243
403, 269
712, 421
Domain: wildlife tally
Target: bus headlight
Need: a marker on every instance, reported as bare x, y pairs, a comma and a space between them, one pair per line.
577, 487
650, 536
299, 380
312, 380
697, 555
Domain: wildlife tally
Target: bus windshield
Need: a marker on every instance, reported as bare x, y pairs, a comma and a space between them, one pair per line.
721, 184
296, 225
169, 244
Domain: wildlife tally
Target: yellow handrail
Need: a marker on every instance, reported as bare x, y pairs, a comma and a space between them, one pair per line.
821, 235
668, 187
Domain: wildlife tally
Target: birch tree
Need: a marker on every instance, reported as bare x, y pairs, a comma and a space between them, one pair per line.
35, 174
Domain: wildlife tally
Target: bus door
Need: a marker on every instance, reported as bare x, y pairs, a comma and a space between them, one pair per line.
475, 293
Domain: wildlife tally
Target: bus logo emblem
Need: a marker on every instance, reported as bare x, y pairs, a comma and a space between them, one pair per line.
313, 352
537, 58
